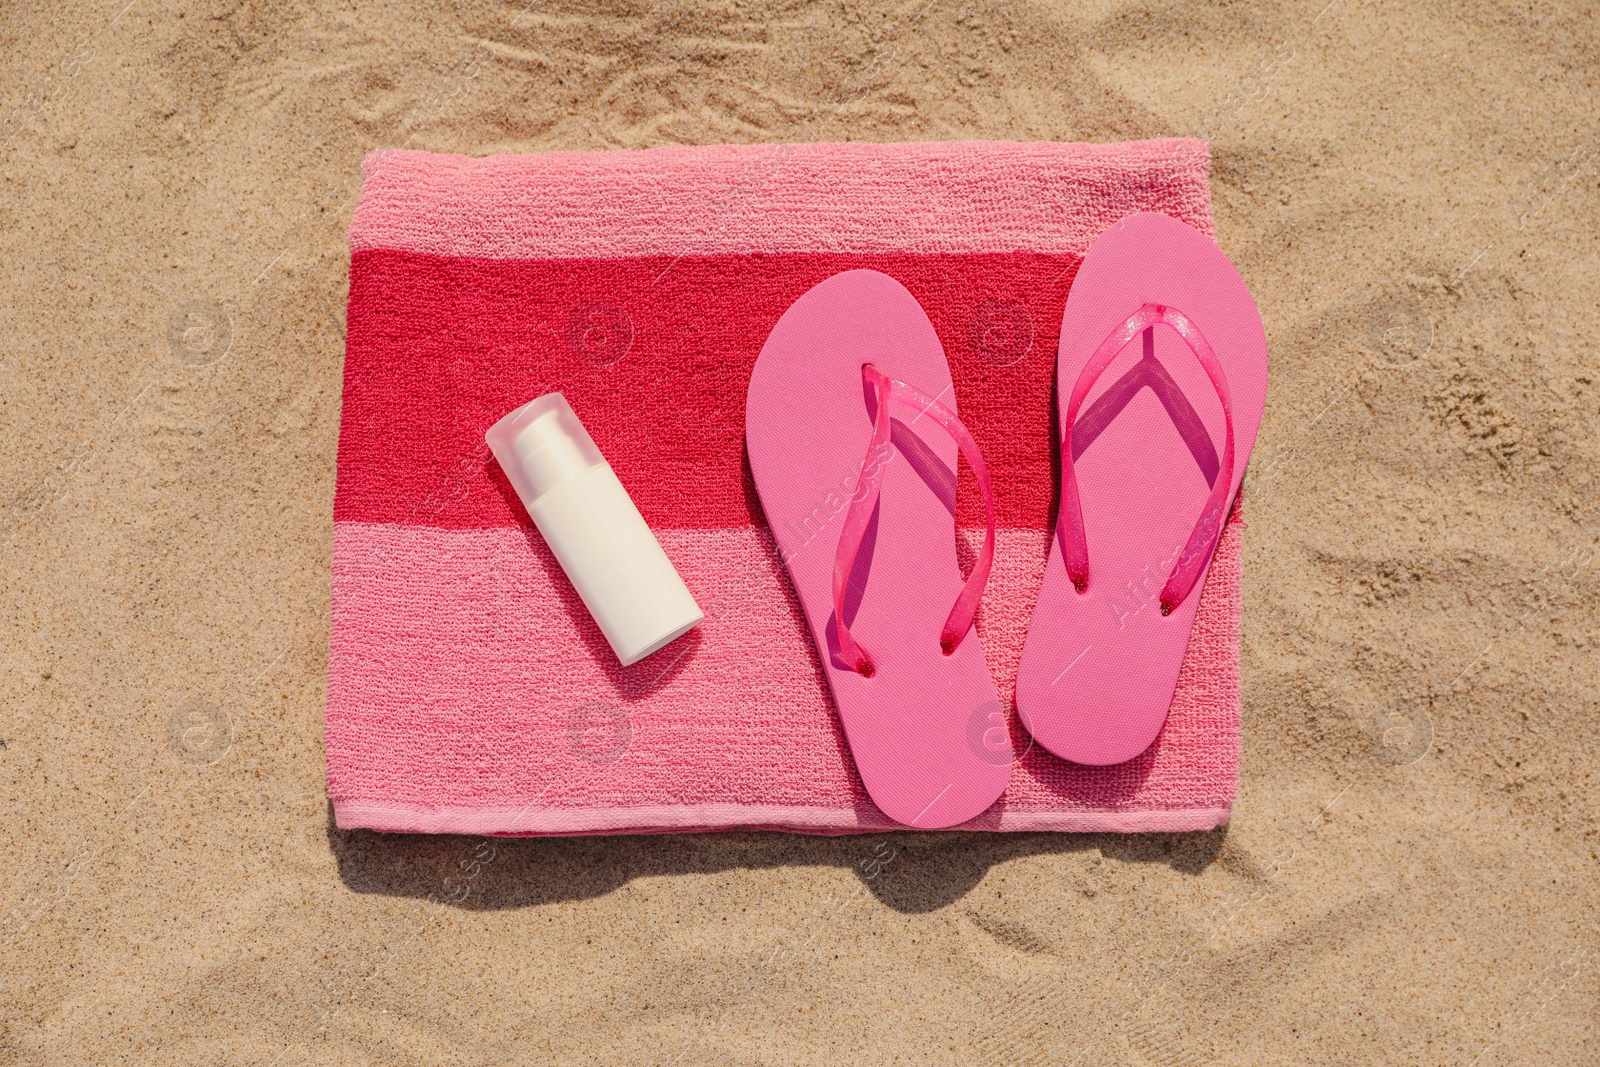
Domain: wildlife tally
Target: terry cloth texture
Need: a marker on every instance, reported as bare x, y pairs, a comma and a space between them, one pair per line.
468, 689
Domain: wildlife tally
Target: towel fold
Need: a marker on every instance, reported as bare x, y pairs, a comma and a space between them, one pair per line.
468, 689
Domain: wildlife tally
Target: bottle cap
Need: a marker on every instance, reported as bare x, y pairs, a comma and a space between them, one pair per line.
542, 445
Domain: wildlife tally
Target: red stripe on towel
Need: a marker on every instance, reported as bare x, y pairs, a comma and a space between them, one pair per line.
654, 354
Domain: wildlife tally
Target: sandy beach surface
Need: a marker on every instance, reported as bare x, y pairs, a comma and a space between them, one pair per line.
1410, 874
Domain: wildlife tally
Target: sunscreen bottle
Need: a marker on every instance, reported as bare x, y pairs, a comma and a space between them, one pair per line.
591, 524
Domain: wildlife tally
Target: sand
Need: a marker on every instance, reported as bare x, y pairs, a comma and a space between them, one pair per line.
1410, 873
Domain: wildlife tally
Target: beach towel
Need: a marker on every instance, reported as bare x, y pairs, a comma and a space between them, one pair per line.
468, 689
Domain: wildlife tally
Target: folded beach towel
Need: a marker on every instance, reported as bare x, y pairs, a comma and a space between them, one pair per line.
468, 689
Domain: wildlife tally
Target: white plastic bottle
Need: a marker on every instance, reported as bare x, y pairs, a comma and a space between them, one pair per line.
591, 524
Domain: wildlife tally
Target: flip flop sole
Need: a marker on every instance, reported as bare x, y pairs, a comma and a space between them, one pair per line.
808, 424
1099, 668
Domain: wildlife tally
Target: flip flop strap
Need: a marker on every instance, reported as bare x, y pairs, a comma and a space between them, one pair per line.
865, 500
1192, 560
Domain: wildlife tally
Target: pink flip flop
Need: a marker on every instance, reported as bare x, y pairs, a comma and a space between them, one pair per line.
852, 433
1161, 379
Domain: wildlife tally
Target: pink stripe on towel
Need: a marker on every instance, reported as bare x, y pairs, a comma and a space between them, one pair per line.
469, 692
729, 727
933, 197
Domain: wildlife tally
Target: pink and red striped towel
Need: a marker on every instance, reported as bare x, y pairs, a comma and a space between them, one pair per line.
469, 691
